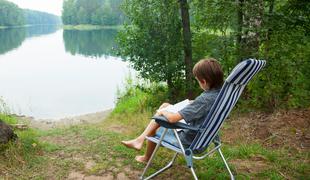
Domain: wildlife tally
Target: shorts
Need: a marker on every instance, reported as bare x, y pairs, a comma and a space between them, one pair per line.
169, 137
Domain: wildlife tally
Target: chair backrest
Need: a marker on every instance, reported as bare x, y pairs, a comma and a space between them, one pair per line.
226, 100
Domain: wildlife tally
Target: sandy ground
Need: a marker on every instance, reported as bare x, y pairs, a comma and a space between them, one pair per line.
46, 124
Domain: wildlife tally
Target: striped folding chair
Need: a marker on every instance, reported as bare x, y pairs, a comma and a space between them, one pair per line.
208, 132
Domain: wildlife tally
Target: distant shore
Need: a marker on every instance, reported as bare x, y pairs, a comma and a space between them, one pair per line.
29, 25
81, 27
89, 27
45, 124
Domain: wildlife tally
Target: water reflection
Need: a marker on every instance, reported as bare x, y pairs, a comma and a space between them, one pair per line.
12, 38
41, 79
33, 31
95, 43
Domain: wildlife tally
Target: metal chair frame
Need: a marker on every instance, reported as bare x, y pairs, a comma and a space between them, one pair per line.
183, 152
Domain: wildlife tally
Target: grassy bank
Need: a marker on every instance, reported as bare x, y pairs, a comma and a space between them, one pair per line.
94, 150
88, 27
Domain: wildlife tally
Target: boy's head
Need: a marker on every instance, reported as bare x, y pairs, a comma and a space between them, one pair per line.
209, 71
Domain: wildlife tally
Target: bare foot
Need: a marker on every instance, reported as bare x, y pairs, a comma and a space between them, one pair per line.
142, 159
133, 144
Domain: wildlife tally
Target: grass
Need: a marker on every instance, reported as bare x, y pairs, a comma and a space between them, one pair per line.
95, 150
8, 119
56, 153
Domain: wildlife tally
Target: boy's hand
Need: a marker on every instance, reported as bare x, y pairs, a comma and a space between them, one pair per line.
172, 117
159, 112
164, 105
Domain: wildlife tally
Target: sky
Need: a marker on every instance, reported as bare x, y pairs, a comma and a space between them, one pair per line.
50, 6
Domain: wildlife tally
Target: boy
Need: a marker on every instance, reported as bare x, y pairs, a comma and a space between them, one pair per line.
209, 75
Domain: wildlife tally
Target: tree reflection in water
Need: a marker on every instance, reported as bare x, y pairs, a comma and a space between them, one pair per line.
12, 38
90, 43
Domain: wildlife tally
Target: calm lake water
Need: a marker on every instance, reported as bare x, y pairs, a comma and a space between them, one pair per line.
48, 73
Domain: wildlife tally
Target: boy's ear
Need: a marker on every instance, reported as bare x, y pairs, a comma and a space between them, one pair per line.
202, 81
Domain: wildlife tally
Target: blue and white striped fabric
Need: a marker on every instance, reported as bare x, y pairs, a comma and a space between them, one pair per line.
226, 100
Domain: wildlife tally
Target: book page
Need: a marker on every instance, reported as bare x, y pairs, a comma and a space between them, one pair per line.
176, 107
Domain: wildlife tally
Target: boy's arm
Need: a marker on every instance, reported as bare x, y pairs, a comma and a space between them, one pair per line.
172, 117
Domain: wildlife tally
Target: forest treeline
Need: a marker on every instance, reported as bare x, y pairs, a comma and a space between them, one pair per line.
163, 39
37, 17
94, 12
12, 15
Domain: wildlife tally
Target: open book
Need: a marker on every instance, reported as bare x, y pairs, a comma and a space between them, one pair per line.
176, 107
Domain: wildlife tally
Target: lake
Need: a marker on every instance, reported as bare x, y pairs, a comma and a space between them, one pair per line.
51, 73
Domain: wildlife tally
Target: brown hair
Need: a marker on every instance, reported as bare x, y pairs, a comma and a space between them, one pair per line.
209, 70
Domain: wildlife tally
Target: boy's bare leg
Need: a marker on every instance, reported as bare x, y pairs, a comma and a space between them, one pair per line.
150, 130
137, 143
149, 151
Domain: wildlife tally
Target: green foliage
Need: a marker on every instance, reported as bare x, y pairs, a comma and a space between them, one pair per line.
153, 42
285, 80
95, 12
10, 14
280, 36
230, 31
137, 98
216, 15
8, 119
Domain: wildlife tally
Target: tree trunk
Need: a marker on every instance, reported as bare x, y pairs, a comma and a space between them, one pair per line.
250, 14
272, 99
271, 7
239, 30
258, 27
187, 47
173, 91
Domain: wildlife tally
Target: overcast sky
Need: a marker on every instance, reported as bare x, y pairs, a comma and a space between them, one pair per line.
50, 6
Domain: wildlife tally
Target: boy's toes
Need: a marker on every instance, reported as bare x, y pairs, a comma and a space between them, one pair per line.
132, 145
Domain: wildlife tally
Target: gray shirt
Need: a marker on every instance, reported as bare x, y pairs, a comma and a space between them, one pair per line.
195, 113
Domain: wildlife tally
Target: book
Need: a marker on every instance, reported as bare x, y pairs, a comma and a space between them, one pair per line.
176, 108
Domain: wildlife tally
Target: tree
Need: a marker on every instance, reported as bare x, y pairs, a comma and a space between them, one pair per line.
10, 14
69, 12
82, 16
153, 41
187, 39
36, 17
95, 12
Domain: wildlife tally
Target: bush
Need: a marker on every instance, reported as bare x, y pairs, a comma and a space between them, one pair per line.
140, 97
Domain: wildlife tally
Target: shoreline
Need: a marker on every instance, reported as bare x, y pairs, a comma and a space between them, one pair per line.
85, 27
46, 124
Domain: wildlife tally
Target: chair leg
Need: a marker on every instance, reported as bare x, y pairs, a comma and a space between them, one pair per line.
222, 156
194, 174
152, 156
169, 165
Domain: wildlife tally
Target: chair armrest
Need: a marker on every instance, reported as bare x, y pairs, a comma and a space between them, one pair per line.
163, 121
